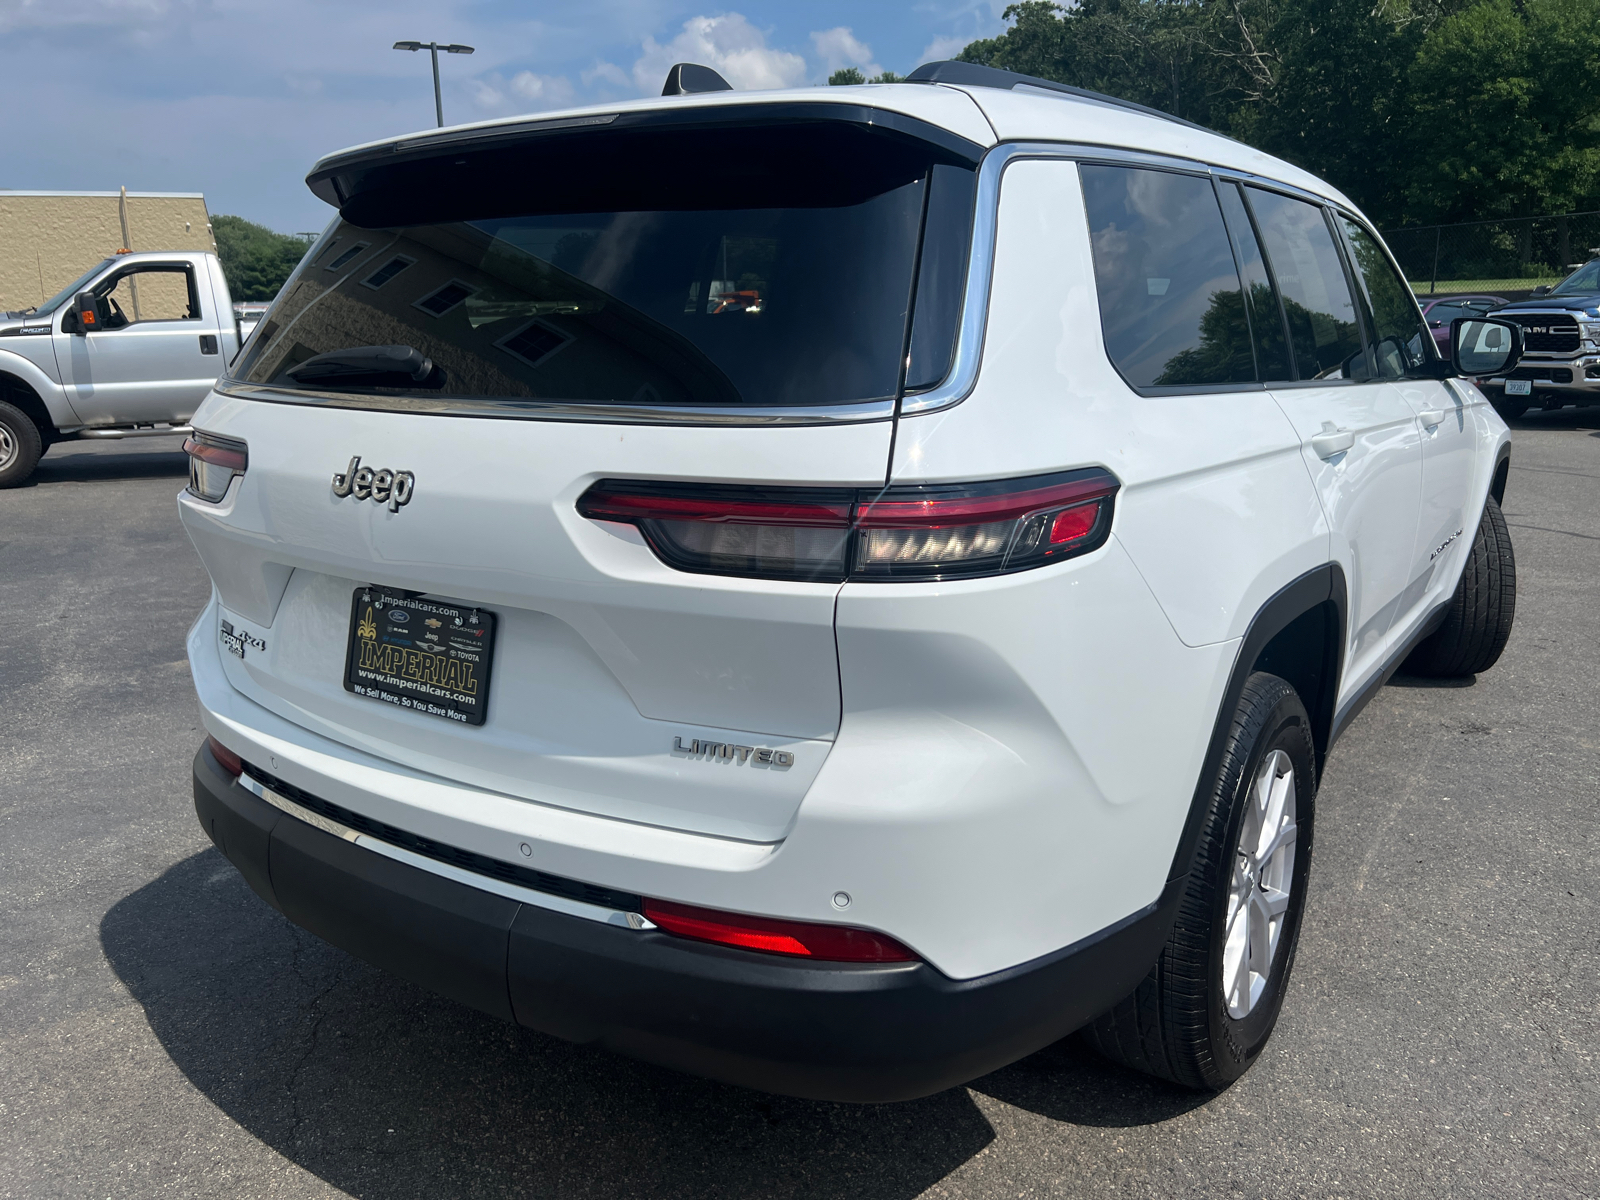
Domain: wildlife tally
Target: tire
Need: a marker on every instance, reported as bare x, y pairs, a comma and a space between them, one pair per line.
1192, 1021
20, 446
1478, 621
1510, 410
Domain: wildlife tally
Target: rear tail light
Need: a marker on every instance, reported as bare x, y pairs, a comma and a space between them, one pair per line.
213, 463
801, 939
931, 531
226, 759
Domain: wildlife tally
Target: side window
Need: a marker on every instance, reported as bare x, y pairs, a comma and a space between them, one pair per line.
1316, 295
1261, 298
1401, 340
1171, 307
942, 275
154, 293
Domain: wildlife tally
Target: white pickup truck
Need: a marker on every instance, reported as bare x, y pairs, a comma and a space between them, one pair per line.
129, 349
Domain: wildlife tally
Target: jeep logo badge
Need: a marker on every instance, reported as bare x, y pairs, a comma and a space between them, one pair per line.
395, 487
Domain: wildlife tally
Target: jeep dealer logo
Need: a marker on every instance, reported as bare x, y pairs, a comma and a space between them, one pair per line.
393, 487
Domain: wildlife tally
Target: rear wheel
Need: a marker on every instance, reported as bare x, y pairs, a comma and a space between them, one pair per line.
1478, 621
20, 445
1207, 1008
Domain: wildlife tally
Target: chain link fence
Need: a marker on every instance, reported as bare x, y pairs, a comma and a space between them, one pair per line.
1507, 258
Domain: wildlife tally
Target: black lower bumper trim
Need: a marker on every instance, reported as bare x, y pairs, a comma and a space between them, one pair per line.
869, 1032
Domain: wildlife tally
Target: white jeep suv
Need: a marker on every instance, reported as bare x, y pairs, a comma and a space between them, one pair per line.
834, 589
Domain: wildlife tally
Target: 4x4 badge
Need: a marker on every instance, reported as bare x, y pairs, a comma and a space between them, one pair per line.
395, 487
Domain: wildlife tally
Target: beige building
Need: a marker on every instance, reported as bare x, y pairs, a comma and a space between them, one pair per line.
48, 239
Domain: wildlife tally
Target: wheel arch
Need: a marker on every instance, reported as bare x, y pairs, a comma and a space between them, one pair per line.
1298, 635
1502, 472
21, 394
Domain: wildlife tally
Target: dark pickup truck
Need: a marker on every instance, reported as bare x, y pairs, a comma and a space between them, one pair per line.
1561, 347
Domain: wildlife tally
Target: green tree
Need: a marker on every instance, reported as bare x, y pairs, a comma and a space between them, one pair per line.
845, 76
255, 260
1508, 111
1416, 109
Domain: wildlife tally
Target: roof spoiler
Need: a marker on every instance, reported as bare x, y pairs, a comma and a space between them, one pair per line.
965, 74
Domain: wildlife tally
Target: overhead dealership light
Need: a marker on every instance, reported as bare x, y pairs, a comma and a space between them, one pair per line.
433, 49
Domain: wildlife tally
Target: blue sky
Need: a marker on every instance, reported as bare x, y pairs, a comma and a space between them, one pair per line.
236, 98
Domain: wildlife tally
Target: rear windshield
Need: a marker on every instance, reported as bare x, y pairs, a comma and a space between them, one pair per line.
643, 302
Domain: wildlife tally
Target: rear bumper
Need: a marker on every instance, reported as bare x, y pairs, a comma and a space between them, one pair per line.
825, 1031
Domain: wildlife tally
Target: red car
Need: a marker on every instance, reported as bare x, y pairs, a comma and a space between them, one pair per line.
1440, 311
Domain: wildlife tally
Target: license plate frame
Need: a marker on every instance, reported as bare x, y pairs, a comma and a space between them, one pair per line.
426, 656
1519, 387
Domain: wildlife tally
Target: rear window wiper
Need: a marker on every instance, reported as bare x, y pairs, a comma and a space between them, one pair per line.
369, 366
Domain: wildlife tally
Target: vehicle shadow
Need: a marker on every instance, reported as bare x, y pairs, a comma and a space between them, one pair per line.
382, 1089
1070, 1082
61, 464
1558, 418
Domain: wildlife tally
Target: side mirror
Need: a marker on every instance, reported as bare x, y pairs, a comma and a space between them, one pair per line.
1484, 346
88, 313
1542, 290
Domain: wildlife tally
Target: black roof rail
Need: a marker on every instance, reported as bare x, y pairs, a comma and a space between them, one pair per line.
965, 74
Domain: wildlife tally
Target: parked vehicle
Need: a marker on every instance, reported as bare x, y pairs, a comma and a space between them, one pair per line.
1442, 312
129, 349
1561, 332
849, 694
248, 314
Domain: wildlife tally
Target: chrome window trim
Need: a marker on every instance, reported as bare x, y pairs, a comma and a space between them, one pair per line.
562, 410
484, 883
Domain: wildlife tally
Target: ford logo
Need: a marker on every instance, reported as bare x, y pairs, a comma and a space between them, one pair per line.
399, 616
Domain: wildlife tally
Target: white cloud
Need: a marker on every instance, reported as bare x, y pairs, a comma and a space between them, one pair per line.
494, 92
544, 89
605, 72
944, 47
839, 47
730, 46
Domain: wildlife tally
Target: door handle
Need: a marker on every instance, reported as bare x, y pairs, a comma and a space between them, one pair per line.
1431, 417
1331, 441
208, 343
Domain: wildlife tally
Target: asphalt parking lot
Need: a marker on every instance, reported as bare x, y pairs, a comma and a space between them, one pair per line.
163, 1032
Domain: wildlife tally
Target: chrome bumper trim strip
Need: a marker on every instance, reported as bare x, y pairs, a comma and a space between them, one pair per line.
511, 891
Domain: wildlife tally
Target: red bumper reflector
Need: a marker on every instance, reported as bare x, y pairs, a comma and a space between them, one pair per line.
801, 939
226, 759
1073, 523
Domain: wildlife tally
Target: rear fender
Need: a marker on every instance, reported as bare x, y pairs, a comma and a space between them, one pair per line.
1298, 634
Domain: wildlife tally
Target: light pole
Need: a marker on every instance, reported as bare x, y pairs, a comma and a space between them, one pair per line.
433, 48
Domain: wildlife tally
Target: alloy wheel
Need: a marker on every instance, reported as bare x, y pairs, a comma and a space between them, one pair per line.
1259, 893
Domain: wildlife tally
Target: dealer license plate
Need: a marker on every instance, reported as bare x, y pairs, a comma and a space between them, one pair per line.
419, 654
1519, 387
